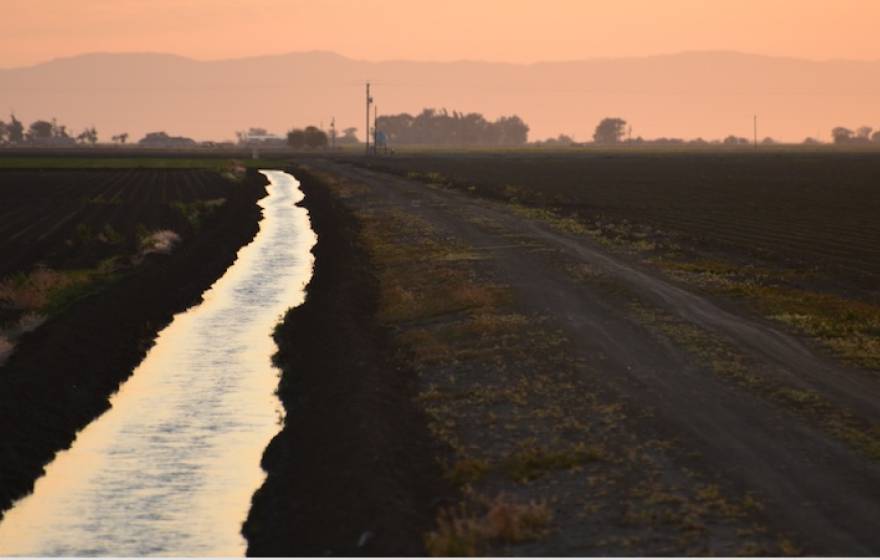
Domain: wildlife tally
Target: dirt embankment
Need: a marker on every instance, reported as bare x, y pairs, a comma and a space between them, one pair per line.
62, 375
352, 472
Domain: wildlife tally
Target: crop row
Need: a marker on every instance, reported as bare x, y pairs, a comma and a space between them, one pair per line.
820, 210
72, 218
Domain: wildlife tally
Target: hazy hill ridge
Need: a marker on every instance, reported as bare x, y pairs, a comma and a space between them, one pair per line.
709, 94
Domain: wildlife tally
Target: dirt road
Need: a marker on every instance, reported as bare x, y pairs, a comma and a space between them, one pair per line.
819, 487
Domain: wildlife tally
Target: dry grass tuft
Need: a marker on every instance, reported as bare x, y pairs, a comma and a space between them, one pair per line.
467, 470
532, 461
161, 242
788, 548
461, 532
409, 294
32, 292
235, 171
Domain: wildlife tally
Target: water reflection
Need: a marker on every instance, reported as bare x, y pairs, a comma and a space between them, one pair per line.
171, 468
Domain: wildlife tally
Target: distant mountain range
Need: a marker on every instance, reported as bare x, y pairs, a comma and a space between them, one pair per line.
706, 94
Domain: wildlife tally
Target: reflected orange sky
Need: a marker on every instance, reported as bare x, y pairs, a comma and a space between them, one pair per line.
493, 30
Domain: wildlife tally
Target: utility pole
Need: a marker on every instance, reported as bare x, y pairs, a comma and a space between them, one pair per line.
375, 128
333, 133
755, 129
367, 132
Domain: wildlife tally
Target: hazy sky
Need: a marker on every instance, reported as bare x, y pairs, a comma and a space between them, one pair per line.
495, 30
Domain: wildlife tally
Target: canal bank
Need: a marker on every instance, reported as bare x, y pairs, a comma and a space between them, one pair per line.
353, 471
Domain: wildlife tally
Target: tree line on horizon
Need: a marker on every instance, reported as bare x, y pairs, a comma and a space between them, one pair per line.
48, 133
430, 127
861, 135
43, 132
614, 130
442, 128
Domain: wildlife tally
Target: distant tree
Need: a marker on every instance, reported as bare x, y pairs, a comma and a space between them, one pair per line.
349, 136
254, 131
314, 137
440, 127
768, 141
733, 140
3, 132
14, 130
40, 131
163, 140
810, 141
863, 133
512, 130
663, 141
397, 128
561, 140
59, 131
296, 138
89, 135
120, 138
841, 135
876, 137
609, 131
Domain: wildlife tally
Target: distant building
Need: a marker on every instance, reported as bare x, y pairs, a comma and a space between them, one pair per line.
263, 139
259, 137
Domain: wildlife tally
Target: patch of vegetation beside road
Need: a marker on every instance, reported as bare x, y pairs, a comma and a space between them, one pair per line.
848, 327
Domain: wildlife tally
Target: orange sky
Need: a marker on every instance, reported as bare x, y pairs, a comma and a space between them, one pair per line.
495, 30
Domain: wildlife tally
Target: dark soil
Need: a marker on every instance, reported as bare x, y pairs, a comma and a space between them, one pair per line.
352, 472
46, 397
813, 210
61, 218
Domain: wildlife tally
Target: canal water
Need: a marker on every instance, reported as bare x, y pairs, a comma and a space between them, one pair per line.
170, 469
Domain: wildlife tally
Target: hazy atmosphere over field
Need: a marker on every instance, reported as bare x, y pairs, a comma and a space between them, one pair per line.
819, 66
